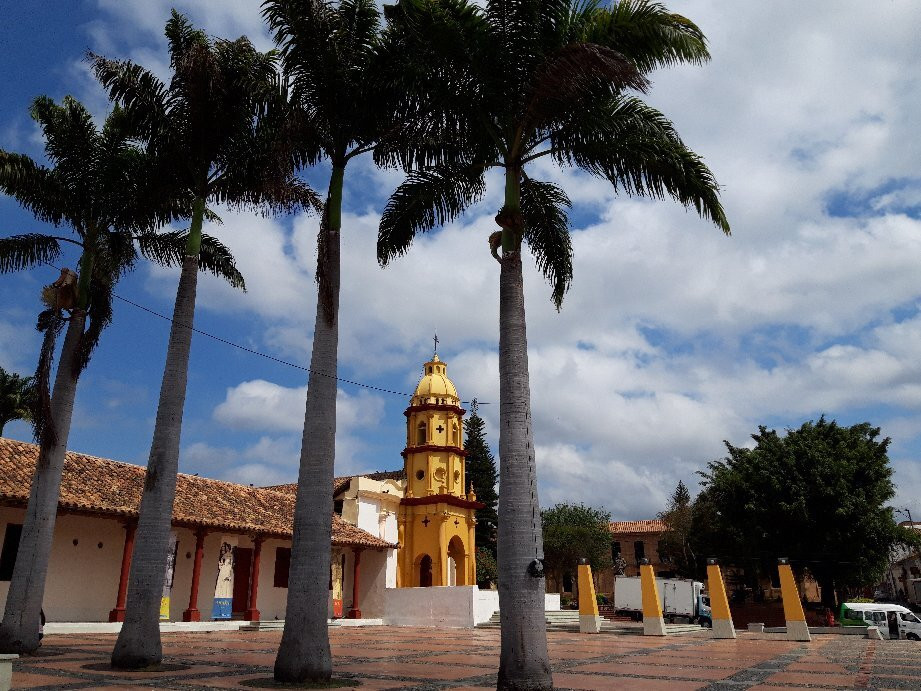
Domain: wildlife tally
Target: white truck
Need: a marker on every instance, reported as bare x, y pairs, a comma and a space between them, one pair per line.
680, 598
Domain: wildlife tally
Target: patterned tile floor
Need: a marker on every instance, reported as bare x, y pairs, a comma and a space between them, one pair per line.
416, 658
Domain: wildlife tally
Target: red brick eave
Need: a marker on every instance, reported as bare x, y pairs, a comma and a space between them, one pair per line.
434, 406
432, 447
449, 499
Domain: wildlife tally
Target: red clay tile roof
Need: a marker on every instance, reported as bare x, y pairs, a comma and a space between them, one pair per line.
100, 486
652, 526
341, 483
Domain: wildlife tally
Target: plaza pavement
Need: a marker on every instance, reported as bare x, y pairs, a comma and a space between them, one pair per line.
417, 658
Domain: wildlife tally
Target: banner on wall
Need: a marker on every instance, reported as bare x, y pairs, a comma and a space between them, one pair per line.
223, 589
171, 551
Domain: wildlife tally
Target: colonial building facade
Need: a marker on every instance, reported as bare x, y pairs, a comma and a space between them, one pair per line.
230, 546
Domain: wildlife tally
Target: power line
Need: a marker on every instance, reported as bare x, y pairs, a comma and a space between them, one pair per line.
265, 355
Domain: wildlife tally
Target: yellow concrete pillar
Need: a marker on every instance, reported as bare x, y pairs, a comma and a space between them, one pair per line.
797, 630
589, 621
471, 548
653, 623
443, 548
720, 616
401, 551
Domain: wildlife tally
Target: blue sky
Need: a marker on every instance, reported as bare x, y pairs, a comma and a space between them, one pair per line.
673, 337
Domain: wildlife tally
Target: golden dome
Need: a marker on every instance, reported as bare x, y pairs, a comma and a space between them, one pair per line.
435, 387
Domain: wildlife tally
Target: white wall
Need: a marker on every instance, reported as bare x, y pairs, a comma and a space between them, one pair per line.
82, 580
462, 606
486, 604
441, 606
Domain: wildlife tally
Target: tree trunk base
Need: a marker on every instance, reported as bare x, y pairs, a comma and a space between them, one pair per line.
13, 644
123, 659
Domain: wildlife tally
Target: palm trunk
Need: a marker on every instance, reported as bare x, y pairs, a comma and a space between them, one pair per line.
138, 645
19, 630
523, 662
304, 653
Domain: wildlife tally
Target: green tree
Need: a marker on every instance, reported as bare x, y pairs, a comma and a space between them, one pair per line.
99, 187
487, 571
675, 547
215, 130
817, 495
338, 113
481, 472
501, 87
17, 397
572, 532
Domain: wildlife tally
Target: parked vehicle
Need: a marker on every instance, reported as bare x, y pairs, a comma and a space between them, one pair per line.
680, 598
894, 621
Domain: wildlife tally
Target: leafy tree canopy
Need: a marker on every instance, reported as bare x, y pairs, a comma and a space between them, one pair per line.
483, 475
573, 532
817, 495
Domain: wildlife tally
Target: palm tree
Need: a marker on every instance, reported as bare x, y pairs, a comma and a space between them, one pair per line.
506, 85
17, 397
329, 56
214, 130
100, 187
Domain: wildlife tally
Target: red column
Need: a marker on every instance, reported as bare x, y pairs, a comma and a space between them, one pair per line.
355, 612
192, 613
118, 614
252, 613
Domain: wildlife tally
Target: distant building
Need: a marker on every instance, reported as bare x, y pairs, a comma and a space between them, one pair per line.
903, 577
632, 541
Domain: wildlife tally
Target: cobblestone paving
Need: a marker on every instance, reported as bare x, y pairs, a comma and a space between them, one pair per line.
428, 659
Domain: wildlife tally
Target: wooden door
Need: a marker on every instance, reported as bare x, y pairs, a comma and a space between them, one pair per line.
243, 559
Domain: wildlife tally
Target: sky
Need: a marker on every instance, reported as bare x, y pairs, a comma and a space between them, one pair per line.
673, 337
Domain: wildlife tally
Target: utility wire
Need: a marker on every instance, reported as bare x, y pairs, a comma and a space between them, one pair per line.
266, 355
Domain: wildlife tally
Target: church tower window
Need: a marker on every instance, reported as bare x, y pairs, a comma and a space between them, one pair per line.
420, 436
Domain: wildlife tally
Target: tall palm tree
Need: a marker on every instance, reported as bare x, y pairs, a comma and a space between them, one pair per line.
329, 54
17, 397
100, 186
214, 129
506, 85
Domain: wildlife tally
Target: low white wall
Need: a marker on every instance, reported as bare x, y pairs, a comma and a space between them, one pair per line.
462, 606
442, 606
487, 604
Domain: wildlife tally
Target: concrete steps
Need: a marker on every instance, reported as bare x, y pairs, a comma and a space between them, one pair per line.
568, 620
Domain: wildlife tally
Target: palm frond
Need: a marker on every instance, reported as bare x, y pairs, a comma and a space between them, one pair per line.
181, 36
646, 33
164, 248
426, 199
216, 259
32, 185
546, 230
49, 324
142, 95
576, 72
27, 251
637, 149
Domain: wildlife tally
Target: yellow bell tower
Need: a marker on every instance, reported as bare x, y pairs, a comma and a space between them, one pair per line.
436, 517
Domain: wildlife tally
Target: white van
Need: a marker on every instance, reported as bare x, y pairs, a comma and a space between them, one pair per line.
893, 621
